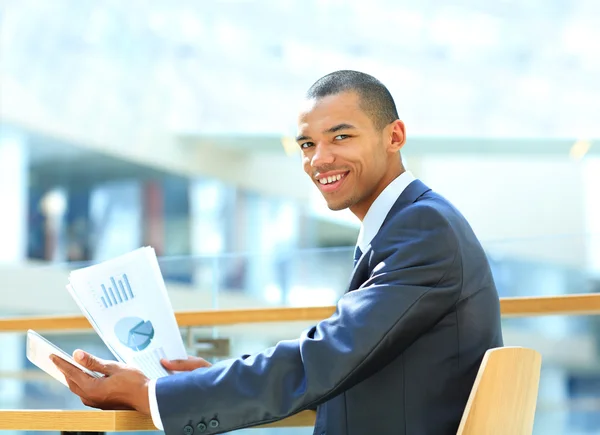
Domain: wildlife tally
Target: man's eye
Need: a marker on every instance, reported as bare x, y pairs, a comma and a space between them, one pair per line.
341, 136
306, 145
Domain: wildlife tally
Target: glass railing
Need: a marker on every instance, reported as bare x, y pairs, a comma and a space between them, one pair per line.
569, 397
311, 277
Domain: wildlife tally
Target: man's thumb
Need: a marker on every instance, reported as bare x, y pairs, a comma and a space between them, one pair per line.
175, 364
91, 362
185, 365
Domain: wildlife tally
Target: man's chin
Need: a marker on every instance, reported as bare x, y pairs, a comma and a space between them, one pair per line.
338, 205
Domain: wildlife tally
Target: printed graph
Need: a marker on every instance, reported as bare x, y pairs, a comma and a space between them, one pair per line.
135, 333
149, 362
119, 292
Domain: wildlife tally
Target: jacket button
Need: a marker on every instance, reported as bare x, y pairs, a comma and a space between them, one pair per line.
214, 423
201, 427
188, 430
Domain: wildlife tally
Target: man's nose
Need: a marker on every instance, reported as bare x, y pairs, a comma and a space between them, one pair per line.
323, 155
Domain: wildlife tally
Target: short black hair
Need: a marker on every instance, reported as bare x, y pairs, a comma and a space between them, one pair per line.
375, 99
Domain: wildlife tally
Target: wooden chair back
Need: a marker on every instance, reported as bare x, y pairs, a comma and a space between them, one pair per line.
504, 396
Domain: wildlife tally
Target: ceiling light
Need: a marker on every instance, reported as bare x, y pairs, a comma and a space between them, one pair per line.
579, 149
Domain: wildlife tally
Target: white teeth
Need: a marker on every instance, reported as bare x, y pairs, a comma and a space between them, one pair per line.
331, 179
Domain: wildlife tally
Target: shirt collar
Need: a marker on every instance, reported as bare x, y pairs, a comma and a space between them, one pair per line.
380, 208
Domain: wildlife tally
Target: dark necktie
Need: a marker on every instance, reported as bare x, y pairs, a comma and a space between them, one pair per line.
357, 254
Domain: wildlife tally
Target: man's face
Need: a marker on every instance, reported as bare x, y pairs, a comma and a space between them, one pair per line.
343, 153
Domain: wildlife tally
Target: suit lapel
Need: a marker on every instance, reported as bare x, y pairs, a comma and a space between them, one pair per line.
412, 192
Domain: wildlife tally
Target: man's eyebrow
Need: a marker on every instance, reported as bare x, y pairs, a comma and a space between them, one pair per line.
335, 128
339, 127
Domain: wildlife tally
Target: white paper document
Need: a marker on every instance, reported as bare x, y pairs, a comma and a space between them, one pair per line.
126, 301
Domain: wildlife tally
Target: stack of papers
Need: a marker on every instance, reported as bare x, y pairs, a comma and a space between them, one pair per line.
126, 301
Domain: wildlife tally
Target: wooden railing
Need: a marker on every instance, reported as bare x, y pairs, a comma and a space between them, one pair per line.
105, 421
57, 420
577, 304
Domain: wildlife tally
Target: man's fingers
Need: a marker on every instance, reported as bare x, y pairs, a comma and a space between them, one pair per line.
185, 365
176, 364
71, 372
87, 402
93, 363
73, 375
74, 387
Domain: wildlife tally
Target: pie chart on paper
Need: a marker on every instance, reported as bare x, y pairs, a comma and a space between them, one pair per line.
135, 333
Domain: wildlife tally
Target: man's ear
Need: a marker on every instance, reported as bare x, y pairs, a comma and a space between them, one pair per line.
397, 136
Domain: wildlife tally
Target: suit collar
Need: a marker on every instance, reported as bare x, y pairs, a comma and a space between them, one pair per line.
412, 192
409, 195
381, 207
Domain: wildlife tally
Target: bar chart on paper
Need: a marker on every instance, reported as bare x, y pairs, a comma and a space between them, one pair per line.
117, 292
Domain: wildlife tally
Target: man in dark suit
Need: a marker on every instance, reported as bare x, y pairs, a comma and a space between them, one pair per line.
401, 352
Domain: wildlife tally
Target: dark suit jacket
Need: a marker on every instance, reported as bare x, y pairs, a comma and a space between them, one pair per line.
399, 356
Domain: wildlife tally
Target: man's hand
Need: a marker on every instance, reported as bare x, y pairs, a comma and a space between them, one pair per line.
122, 387
185, 365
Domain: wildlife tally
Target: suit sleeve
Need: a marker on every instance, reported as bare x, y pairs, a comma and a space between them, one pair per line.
415, 281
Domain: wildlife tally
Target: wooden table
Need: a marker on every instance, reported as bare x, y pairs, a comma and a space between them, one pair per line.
97, 422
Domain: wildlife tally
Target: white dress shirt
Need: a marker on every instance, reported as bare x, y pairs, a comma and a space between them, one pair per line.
154, 405
370, 226
380, 208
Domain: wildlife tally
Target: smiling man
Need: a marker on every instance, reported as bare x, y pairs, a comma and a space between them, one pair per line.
350, 136
400, 353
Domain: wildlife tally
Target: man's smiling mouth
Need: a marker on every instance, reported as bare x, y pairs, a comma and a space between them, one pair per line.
329, 182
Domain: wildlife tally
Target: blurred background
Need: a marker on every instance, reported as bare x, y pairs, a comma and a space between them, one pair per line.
169, 124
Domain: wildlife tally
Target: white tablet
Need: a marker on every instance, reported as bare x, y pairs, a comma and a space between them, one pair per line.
38, 352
